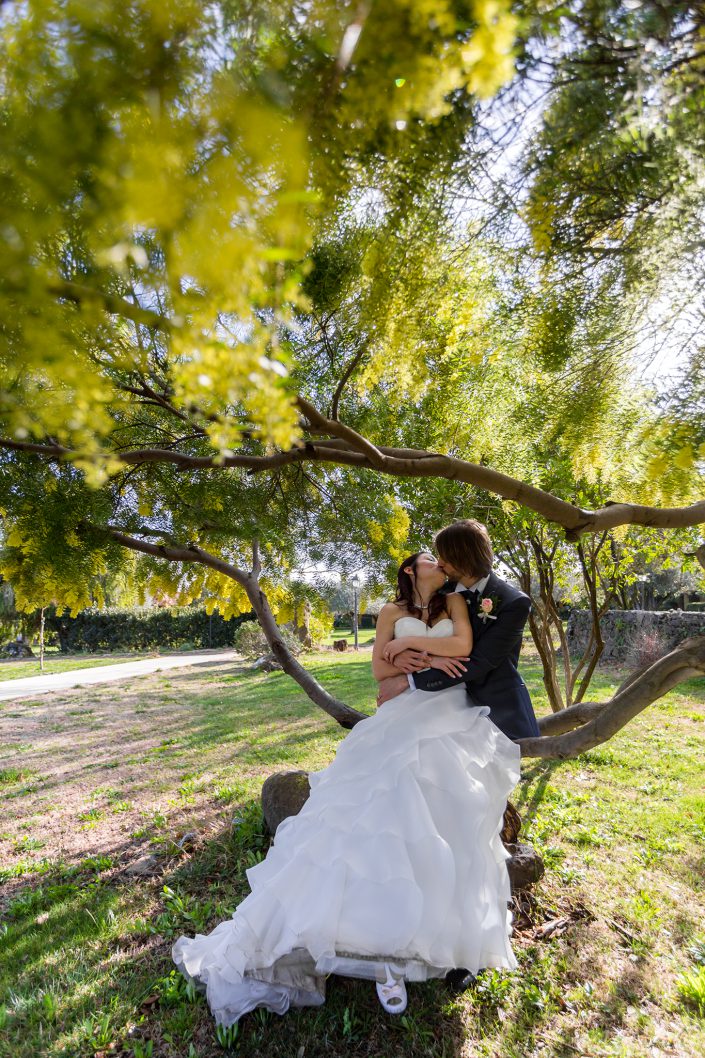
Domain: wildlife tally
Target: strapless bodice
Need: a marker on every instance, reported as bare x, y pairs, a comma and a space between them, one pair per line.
414, 626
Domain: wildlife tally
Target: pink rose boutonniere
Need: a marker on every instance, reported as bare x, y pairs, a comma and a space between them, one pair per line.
485, 612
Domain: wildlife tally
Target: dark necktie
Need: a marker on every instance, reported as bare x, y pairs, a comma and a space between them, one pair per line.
469, 593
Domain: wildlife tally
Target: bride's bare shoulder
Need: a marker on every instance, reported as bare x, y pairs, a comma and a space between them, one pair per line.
393, 609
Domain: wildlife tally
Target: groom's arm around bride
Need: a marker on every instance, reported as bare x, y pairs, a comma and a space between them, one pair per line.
499, 642
491, 676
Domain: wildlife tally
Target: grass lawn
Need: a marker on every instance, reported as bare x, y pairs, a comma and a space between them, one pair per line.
16, 670
101, 784
364, 636
55, 662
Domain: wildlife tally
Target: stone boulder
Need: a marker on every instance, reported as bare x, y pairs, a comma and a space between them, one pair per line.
268, 663
525, 866
17, 648
285, 793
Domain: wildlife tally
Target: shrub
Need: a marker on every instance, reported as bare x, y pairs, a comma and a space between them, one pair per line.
647, 647
186, 628
250, 640
320, 626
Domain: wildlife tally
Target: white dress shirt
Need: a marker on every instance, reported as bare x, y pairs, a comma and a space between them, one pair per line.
478, 586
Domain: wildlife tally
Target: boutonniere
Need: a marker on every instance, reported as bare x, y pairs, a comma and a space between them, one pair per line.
487, 605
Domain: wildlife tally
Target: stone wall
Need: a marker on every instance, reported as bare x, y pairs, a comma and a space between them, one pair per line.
627, 633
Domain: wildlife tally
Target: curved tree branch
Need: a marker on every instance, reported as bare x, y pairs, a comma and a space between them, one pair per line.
351, 449
345, 433
587, 724
339, 711
112, 303
355, 360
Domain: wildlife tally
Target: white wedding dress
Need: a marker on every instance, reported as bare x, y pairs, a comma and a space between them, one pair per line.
395, 857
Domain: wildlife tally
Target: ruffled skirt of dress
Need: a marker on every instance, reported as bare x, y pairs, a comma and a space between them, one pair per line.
395, 857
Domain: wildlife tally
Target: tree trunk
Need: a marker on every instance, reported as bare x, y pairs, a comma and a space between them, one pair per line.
519, 562
541, 637
344, 714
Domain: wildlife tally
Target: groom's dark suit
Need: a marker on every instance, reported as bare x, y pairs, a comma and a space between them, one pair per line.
492, 678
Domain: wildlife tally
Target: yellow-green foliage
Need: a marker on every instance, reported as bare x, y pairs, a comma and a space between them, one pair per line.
393, 531
321, 624
48, 557
413, 57
164, 154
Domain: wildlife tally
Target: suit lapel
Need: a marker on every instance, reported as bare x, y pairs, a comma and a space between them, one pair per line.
478, 625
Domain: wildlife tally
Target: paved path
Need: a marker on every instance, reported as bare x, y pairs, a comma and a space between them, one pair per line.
30, 686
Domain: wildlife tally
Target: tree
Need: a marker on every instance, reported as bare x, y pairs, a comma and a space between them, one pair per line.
204, 359
615, 183
597, 572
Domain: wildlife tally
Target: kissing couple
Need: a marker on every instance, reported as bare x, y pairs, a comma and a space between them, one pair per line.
497, 613
394, 870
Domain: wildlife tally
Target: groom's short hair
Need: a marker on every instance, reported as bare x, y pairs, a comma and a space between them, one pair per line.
467, 547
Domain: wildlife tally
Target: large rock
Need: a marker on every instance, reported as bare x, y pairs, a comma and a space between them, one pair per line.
525, 866
267, 663
285, 793
17, 648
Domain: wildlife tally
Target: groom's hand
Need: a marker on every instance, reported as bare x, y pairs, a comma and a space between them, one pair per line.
391, 687
411, 660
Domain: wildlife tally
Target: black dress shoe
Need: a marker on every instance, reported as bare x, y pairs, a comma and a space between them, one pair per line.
460, 980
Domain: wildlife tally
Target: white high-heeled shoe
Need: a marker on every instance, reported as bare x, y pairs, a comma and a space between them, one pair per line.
392, 992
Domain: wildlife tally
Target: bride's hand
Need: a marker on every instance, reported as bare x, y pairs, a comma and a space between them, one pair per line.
451, 666
394, 647
412, 660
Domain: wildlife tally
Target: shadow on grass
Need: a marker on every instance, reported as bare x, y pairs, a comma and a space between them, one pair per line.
616, 992
86, 964
260, 719
528, 797
87, 955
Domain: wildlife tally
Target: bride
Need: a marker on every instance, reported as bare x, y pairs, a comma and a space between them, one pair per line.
393, 870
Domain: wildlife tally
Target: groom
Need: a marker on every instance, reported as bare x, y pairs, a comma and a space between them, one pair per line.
498, 613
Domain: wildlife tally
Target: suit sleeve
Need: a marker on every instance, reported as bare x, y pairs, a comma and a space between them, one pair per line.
491, 650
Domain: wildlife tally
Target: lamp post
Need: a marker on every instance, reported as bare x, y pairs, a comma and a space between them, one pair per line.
355, 583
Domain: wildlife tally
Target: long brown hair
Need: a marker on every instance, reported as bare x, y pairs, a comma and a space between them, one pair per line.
466, 545
405, 592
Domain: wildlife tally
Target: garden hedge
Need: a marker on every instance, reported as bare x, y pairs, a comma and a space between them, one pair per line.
188, 628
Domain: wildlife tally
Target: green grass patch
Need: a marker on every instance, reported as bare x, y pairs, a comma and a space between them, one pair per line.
364, 636
85, 960
11, 776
